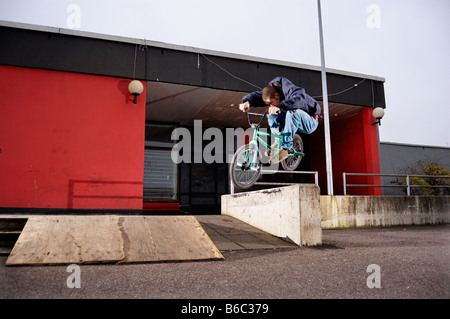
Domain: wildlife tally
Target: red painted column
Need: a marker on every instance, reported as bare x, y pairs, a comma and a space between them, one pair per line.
371, 151
354, 145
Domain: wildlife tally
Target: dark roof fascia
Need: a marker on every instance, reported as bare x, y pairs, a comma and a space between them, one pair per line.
92, 53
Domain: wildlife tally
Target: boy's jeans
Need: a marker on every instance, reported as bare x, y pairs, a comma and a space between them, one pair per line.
290, 122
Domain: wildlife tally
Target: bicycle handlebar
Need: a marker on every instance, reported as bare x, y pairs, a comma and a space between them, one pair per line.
258, 114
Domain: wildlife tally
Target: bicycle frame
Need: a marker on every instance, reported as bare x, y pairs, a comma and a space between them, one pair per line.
246, 165
257, 139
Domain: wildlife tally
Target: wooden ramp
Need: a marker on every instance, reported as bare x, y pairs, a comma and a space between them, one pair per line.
111, 239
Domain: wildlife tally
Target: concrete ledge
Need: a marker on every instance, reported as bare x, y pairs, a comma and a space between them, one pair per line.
366, 211
291, 212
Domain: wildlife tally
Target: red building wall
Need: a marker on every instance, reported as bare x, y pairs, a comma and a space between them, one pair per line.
69, 140
354, 148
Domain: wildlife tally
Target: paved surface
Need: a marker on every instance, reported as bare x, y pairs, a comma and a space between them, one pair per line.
228, 233
414, 263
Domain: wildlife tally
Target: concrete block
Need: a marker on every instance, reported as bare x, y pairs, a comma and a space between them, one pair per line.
366, 211
291, 212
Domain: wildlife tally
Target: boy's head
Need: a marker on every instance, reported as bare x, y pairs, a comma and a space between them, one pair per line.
270, 96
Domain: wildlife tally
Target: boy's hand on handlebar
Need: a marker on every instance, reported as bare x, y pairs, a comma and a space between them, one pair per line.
244, 107
272, 110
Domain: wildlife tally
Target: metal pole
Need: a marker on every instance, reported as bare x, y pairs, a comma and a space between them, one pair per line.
231, 186
344, 179
408, 188
326, 117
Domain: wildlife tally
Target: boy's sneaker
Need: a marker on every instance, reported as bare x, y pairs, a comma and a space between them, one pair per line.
279, 156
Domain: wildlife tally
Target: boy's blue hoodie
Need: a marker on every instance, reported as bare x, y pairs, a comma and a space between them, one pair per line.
291, 96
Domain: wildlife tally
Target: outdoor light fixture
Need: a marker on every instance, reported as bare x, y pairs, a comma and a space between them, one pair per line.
378, 114
135, 87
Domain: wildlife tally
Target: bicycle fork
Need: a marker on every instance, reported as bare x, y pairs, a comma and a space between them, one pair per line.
251, 161
254, 163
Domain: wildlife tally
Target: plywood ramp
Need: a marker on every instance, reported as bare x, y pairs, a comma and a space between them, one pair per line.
111, 239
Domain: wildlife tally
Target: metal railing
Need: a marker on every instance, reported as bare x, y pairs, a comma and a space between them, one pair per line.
315, 173
408, 185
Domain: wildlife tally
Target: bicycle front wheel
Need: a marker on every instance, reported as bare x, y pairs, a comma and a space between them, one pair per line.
245, 167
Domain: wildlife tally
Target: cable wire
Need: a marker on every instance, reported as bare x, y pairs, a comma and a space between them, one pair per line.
229, 73
258, 87
343, 91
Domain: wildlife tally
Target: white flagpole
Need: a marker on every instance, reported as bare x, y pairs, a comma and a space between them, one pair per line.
325, 108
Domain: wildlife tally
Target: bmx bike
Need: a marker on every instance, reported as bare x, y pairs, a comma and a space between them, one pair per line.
246, 165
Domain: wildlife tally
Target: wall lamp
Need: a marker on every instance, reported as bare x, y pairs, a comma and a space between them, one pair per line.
378, 114
135, 87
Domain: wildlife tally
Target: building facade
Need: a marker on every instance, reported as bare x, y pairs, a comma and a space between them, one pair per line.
397, 158
72, 139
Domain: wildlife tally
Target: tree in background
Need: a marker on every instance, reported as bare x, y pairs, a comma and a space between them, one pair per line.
427, 169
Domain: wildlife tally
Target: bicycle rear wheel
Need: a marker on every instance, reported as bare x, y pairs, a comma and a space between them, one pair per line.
243, 171
292, 162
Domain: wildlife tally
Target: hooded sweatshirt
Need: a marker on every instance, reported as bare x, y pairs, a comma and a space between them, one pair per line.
292, 97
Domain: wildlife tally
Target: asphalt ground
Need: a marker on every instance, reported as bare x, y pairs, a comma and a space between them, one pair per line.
414, 262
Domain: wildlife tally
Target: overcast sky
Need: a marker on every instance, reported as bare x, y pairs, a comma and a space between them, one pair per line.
404, 41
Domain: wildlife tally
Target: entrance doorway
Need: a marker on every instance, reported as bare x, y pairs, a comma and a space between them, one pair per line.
160, 172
